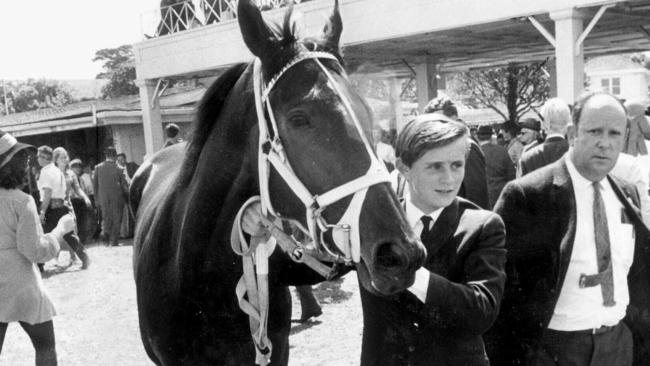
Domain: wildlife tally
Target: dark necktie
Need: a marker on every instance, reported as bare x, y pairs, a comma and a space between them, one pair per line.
426, 226
605, 277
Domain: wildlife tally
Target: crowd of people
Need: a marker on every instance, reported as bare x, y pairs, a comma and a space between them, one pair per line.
542, 261
49, 203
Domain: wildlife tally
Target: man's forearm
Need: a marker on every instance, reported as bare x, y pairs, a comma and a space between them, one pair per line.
45, 200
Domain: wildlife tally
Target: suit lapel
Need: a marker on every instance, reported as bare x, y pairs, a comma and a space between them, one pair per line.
443, 229
565, 207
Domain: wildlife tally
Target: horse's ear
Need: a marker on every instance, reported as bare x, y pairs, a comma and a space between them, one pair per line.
256, 33
333, 29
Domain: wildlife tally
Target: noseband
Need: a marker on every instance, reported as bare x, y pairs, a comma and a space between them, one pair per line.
345, 232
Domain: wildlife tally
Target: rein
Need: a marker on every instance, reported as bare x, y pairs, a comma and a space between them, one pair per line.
252, 289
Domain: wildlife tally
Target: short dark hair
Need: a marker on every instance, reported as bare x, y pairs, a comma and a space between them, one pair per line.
443, 105
172, 130
14, 173
425, 132
122, 154
582, 100
110, 152
45, 151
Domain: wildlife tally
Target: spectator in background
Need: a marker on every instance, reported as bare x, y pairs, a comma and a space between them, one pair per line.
639, 129
74, 194
110, 185
130, 166
23, 297
83, 206
172, 130
498, 166
474, 187
53, 189
128, 221
557, 117
513, 145
529, 133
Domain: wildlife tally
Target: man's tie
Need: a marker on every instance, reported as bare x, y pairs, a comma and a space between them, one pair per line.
426, 226
605, 277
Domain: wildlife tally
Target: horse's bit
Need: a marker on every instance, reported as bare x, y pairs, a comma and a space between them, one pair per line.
345, 233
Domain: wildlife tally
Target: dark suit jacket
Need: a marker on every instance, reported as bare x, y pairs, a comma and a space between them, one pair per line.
466, 259
499, 170
542, 155
539, 212
474, 187
109, 183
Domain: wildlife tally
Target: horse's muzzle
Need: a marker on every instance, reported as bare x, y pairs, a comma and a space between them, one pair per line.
397, 261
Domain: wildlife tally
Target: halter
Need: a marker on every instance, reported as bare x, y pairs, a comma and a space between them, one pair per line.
345, 233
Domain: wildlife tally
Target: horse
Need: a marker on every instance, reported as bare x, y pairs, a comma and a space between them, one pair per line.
186, 197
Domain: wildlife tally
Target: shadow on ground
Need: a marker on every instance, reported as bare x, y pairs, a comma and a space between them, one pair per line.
330, 292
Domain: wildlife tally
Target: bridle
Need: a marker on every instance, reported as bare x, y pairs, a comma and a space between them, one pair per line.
345, 232
252, 289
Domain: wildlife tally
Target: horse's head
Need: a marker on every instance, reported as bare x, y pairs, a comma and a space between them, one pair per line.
323, 170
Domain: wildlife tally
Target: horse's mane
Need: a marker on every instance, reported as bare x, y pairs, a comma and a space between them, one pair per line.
207, 113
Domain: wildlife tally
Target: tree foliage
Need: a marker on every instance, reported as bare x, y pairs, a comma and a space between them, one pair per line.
511, 91
34, 94
119, 69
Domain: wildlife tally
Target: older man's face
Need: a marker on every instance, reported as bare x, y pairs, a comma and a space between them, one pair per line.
600, 137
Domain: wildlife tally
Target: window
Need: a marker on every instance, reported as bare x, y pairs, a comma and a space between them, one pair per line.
612, 86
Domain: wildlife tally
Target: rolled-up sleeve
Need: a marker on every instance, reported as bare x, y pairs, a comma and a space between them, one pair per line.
36, 246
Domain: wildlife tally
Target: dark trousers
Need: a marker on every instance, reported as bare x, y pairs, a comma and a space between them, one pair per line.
584, 348
52, 216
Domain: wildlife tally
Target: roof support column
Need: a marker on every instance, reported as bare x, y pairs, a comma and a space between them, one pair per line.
569, 56
395, 89
426, 82
151, 116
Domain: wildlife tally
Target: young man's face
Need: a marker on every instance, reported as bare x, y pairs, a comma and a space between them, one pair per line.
121, 159
435, 178
526, 135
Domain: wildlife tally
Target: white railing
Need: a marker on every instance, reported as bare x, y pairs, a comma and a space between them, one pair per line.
187, 14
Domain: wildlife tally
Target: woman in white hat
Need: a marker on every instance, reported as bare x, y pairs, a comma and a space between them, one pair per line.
23, 297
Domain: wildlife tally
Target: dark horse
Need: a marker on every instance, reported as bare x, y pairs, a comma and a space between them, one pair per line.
186, 198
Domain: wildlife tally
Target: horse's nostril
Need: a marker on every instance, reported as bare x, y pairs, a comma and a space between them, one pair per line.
389, 255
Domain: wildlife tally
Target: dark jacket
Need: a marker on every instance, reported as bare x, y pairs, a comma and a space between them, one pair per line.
539, 212
474, 187
109, 183
466, 259
542, 155
498, 168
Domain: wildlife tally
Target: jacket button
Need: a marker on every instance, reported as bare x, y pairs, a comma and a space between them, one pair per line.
416, 324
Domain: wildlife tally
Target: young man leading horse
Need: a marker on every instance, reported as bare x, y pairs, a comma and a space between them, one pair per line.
456, 296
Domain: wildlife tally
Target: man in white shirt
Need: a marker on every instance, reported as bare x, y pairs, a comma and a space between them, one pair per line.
456, 295
52, 188
577, 255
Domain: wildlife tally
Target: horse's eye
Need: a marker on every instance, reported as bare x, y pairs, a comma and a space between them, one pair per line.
299, 120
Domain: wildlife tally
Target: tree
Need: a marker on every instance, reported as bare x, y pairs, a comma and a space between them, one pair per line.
119, 69
511, 91
34, 94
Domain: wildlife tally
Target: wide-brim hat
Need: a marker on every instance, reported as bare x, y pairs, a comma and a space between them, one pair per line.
9, 146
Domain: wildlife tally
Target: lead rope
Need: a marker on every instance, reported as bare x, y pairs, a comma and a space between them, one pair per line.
253, 287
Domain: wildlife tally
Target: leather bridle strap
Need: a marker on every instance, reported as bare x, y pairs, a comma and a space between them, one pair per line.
271, 152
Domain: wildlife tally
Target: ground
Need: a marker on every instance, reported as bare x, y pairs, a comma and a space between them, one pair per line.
97, 322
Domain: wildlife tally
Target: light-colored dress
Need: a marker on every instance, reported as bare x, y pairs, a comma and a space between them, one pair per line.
22, 244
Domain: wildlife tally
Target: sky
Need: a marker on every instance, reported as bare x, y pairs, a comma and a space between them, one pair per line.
57, 39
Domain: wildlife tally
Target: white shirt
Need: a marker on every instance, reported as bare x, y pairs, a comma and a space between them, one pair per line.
582, 308
413, 215
51, 177
386, 152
